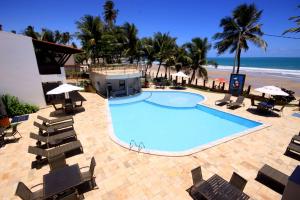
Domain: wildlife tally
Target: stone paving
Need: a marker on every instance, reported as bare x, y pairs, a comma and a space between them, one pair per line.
123, 174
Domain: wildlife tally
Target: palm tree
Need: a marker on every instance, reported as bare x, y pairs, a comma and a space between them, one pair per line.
48, 35
164, 46
90, 32
197, 51
29, 31
296, 19
148, 52
242, 27
65, 38
110, 14
131, 42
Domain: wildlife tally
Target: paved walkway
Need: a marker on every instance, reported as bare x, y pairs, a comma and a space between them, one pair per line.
123, 174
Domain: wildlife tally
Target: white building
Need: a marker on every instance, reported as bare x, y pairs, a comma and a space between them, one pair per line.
117, 80
29, 68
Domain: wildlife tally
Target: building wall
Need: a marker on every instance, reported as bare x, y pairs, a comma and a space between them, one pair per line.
19, 75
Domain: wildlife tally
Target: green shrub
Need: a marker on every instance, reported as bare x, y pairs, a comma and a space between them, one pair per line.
14, 107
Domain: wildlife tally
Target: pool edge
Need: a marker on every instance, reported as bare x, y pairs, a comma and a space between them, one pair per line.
116, 140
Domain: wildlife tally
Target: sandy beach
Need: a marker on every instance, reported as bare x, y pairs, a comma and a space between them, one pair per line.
254, 77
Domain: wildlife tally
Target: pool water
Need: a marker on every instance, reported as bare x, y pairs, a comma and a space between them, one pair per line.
172, 121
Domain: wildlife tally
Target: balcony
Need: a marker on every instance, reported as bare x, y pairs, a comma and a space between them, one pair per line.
118, 71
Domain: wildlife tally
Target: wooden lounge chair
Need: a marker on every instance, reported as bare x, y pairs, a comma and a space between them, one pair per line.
26, 194
225, 100
296, 139
253, 104
197, 179
53, 139
238, 103
279, 111
54, 127
238, 181
57, 162
47, 121
293, 148
73, 196
88, 176
48, 153
13, 131
273, 178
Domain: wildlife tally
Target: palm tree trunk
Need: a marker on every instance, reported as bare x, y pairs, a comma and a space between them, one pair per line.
158, 68
193, 75
238, 61
166, 71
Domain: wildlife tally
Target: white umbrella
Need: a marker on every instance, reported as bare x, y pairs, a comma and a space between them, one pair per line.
180, 74
272, 90
64, 88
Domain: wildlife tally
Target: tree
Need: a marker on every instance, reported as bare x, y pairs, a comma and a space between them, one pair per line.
164, 46
65, 38
110, 14
148, 51
296, 29
131, 41
197, 51
49, 36
29, 31
238, 29
90, 33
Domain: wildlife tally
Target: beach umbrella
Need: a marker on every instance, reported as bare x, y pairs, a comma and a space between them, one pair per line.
272, 90
180, 74
64, 88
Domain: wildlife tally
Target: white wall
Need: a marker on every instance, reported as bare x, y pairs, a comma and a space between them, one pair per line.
19, 75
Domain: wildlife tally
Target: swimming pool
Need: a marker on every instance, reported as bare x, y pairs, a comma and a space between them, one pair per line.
172, 123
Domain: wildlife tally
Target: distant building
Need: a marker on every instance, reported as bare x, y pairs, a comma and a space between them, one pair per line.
116, 80
29, 68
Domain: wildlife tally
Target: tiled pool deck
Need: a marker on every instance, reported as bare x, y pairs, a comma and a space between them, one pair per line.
124, 174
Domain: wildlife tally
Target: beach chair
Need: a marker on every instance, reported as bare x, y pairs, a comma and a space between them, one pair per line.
53, 127
279, 111
48, 122
238, 103
25, 193
73, 196
238, 181
272, 178
48, 153
296, 139
225, 100
12, 131
293, 148
253, 104
88, 176
197, 179
53, 139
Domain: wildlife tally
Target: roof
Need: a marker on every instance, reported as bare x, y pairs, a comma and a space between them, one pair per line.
55, 47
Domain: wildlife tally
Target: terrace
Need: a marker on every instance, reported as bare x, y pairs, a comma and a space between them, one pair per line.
125, 174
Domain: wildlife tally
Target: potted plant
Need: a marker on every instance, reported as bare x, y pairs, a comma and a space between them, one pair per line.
4, 121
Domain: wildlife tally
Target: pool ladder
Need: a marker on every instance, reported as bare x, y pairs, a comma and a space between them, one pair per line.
139, 146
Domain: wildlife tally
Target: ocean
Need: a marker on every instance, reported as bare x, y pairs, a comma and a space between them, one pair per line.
289, 63
282, 67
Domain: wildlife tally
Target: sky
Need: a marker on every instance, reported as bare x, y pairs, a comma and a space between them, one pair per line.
183, 19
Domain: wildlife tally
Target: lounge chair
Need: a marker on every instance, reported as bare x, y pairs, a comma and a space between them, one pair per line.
13, 131
293, 148
296, 139
26, 194
49, 153
54, 127
88, 176
73, 196
238, 181
279, 111
253, 104
272, 178
225, 100
54, 139
238, 103
57, 162
47, 121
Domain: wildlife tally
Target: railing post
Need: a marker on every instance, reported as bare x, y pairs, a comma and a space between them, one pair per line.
213, 85
204, 83
248, 90
196, 81
223, 87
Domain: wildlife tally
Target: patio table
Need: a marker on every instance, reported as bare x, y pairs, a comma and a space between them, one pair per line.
216, 188
61, 180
